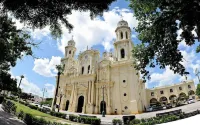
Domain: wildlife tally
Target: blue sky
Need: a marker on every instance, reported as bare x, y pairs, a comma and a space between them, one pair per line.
99, 34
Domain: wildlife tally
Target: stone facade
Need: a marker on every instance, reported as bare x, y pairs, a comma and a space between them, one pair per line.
166, 93
86, 79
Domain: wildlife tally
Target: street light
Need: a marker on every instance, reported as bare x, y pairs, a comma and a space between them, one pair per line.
43, 91
60, 99
103, 112
19, 86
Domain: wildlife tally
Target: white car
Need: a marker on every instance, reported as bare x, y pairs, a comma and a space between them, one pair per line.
190, 101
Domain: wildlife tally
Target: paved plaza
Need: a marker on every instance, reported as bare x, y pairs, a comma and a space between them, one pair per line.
8, 119
108, 119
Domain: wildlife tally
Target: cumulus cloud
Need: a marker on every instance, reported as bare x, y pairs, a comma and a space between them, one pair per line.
167, 77
46, 67
50, 90
30, 87
98, 31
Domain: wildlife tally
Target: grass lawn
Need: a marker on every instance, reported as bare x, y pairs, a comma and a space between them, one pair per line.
37, 113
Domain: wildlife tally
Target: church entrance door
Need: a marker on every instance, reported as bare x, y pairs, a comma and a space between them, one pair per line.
67, 105
103, 106
80, 104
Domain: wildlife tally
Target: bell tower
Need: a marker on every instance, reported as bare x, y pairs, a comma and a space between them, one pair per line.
70, 49
123, 44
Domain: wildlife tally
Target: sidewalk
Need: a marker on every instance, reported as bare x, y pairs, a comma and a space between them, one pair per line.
8, 119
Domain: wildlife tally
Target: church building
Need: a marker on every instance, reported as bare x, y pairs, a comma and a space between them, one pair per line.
91, 84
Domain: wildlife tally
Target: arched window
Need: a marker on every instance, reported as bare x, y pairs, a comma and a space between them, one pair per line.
122, 53
88, 69
121, 35
70, 52
82, 70
126, 35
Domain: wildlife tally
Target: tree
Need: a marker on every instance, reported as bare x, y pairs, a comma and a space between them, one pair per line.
158, 24
48, 101
198, 90
60, 69
13, 45
40, 13
7, 83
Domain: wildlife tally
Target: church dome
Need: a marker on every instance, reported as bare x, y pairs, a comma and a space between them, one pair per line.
71, 43
122, 23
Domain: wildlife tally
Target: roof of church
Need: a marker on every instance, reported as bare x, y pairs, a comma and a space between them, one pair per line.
122, 23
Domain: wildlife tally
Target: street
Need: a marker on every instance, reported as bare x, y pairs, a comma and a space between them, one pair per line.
8, 119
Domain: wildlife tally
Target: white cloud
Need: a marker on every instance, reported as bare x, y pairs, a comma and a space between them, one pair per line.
46, 67
28, 86
50, 90
166, 78
89, 32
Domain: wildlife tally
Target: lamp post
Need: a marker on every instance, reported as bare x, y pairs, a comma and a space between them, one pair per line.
19, 86
43, 91
103, 112
60, 100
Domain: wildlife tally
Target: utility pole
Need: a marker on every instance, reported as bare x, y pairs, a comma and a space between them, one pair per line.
43, 91
197, 74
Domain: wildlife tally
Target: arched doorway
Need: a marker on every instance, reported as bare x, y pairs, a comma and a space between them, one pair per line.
153, 101
163, 100
80, 104
191, 94
67, 105
182, 97
103, 107
172, 97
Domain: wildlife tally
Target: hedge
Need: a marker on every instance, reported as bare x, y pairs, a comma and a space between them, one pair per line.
117, 122
85, 120
29, 119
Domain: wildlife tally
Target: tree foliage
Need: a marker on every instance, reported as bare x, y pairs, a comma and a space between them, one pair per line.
48, 101
6, 82
198, 90
13, 45
40, 13
159, 21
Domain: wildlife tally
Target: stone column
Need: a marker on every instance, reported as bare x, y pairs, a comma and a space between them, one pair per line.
88, 92
75, 98
97, 101
108, 92
92, 92
85, 99
72, 93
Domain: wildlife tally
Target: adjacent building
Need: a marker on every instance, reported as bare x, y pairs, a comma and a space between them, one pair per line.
90, 83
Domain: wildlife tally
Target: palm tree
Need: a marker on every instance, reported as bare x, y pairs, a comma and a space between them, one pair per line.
60, 69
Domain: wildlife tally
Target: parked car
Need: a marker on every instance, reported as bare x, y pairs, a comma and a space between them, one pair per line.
189, 101
168, 106
149, 109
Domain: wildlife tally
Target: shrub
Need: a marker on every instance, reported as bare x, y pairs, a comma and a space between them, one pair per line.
28, 119
115, 121
21, 114
135, 121
1, 99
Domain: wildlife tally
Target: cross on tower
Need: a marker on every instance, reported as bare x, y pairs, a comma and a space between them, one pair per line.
121, 16
72, 37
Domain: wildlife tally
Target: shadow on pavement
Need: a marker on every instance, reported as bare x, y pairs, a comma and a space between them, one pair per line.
8, 119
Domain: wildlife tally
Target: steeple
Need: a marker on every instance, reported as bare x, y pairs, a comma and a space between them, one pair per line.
70, 49
123, 44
